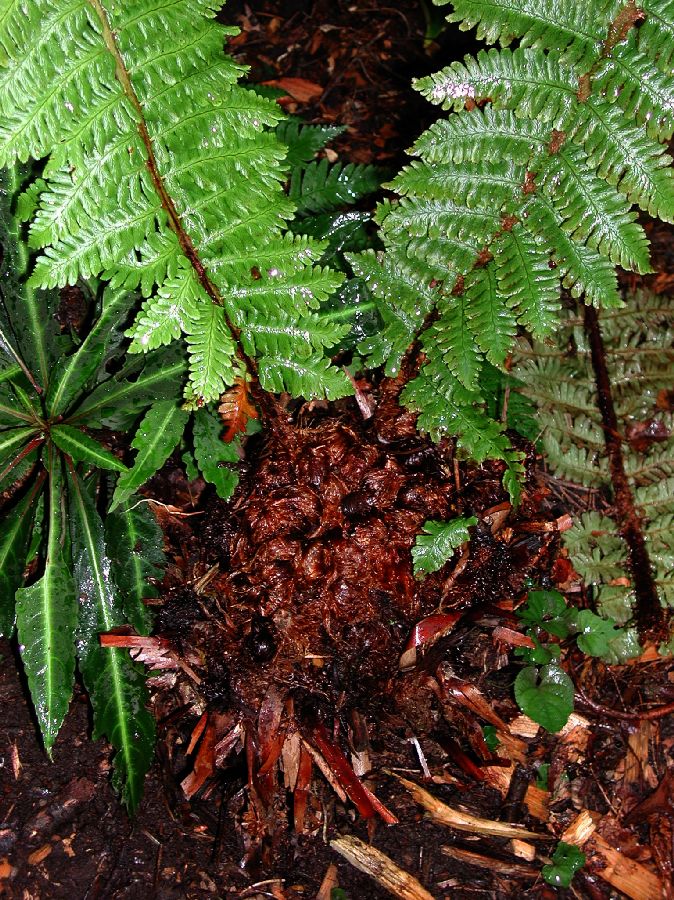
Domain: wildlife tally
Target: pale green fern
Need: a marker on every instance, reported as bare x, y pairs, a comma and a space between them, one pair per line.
162, 173
528, 185
639, 349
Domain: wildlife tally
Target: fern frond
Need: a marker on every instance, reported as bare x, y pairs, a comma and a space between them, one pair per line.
625, 156
404, 297
575, 29
321, 187
531, 82
211, 351
582, 271
483, 134
656, 35
313, 377
526, 279
452, 339
473, 185
490, 319
304, 141
593, 212
445, 406
158, 164
627, 77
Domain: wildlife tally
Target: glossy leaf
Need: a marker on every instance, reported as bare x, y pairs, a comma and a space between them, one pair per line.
545, 695
15, 535
566, 861
78, 371
117, 402
437, 544
115, 684
85, 449
214, 456
46, 619
135, 545
157, 437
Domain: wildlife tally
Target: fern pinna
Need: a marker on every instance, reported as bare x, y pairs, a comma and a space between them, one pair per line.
530, 182
162, 174
561, 379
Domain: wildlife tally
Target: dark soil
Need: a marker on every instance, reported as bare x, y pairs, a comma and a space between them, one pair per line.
289, 609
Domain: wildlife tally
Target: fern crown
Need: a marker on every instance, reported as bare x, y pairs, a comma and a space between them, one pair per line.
162, 174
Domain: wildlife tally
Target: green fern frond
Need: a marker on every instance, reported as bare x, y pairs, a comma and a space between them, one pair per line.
582, 271
304, 141
481, 134
532, 83
445, 407
304, 377
158, 164
452, 339
321, 187
638, 347
656, 35
211, 351
626, 156
524, 276
403, 296
593, 212
473, 185
490, 319
571, 28
528, 185
627, 78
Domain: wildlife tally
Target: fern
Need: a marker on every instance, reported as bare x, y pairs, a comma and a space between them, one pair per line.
162, 173
639, 350
526, 187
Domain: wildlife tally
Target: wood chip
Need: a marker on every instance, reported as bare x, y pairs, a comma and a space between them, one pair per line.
581, 829
624, 874
328, 883
504, 867
463, 821
379, 867
524, 727
38, 855
523, 849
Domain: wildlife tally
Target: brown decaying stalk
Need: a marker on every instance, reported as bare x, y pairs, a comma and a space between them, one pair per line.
649, 614
263, 398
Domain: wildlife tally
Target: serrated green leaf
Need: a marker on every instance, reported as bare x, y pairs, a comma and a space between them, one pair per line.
304, 141
116, 686
437, 544
135, 545
157, 437
545, 695
46, 620
85, 449
214, 457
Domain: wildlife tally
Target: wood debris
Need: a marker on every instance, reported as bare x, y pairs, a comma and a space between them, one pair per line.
384, 871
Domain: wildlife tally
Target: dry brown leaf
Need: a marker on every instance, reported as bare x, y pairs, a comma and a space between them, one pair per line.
298, 88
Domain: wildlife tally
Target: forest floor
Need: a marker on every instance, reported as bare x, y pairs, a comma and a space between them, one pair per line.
319, 710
